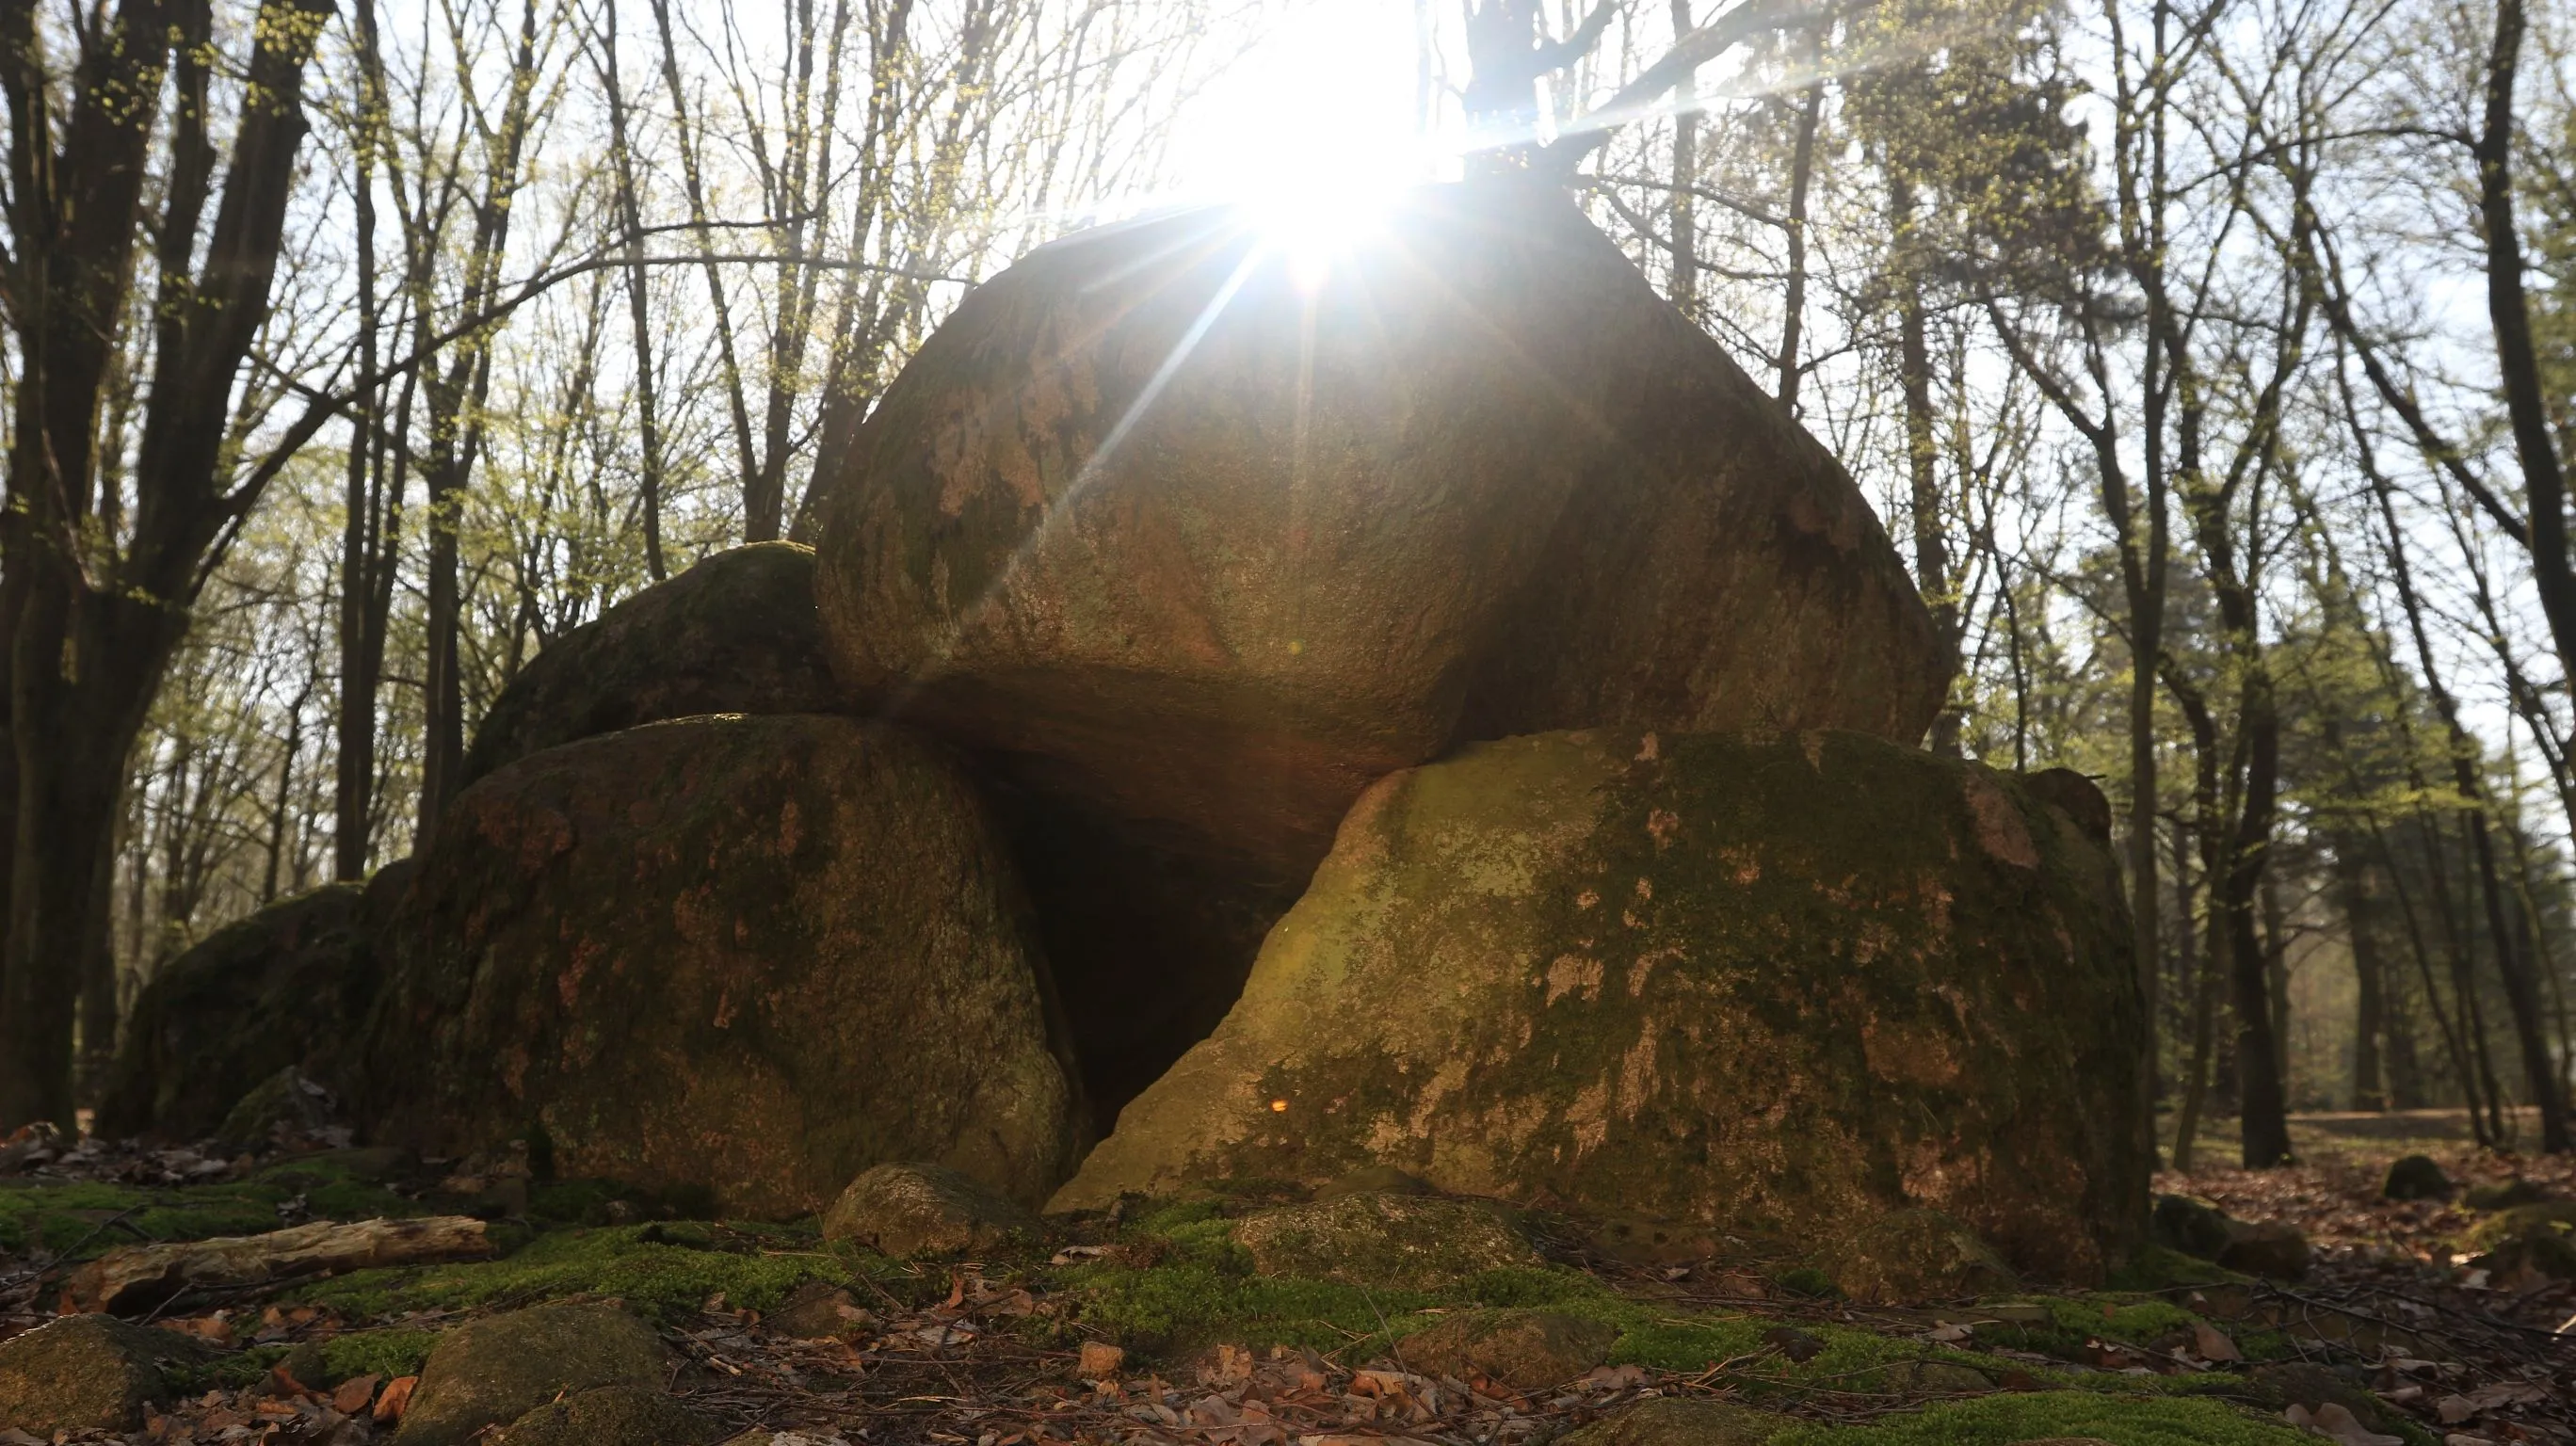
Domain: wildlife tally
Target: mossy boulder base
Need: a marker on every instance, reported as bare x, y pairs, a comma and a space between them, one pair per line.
752, 956
282, 989
1782, 987
1210, 549
735, 634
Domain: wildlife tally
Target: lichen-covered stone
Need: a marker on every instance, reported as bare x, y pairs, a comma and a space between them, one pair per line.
1400, 1242
492, 1371
2416, 1177
624, 1415
288, 1105
1682, 1421
1211, 550
86, 1371
1913, 1255
282, 989
1779, 986
735, 634
906, 1209
1527, 1350
752, 956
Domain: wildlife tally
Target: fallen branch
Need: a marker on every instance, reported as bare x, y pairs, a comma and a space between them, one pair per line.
137, 1276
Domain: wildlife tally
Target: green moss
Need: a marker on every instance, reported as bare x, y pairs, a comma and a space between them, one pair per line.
2005, 1418
2523, 1222
663, 1271
2157, 1267
1186, 1303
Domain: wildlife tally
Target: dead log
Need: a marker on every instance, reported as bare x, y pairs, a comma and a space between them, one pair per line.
135, 1277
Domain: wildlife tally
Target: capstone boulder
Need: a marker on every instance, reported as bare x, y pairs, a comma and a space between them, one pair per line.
1176, 532
751, 956
1782, 987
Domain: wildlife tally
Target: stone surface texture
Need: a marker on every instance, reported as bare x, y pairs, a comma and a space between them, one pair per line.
1527, 1350
282, 989
624, 1415
1208, 550
492, 1371
1913, 1255
905, 1209
1782, 987
1396, 1241
85, 1372
747, 955
735, 634
1679, 1421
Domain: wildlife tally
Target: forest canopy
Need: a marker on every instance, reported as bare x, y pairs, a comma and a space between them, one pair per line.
2213, 361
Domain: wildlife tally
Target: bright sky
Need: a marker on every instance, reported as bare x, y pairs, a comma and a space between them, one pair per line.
1323, 101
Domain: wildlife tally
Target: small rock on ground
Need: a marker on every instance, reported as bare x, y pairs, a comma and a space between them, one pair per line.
613, 1416
1401, 1242
1528, 1350
1674, 1421
819, 1311
2417, 1177
494, 1370
85, 1371
914, 1209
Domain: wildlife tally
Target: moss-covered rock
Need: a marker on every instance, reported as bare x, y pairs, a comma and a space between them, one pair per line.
492, 1371
2504, 1195
1210, 550
905, 1209
613, 1416
1913, 1255
1527, 1350
2416, 1177
282, 989
745, 956
735, 634
90, 1371
2522, 1222
1780, 986
1680, 1421
1402, 1242
287, 1106
2007, 1417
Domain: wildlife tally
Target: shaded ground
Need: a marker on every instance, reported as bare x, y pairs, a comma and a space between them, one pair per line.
990, 1353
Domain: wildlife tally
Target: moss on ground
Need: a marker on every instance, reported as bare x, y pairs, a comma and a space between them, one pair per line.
666, 1271
2123, 1419
81, 1220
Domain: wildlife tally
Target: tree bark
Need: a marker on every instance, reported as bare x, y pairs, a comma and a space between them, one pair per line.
2370, 1008
90, 644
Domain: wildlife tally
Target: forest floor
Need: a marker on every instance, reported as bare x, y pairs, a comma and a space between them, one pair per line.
2427, 1346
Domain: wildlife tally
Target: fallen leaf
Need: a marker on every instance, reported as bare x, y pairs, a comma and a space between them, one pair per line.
352, 1395
396, 1398
2211, 1344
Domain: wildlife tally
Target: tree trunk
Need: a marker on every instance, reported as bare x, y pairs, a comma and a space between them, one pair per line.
2370, 1009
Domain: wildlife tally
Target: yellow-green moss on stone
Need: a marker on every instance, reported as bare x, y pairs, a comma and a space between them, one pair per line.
1782, 987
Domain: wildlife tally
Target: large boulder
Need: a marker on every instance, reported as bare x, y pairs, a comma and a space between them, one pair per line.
493, 1371
735, 634
1780, 987
1207, 548
283, 989
90, 1372
748, 955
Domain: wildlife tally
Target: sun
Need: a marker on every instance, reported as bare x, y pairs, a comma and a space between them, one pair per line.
1313, 132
